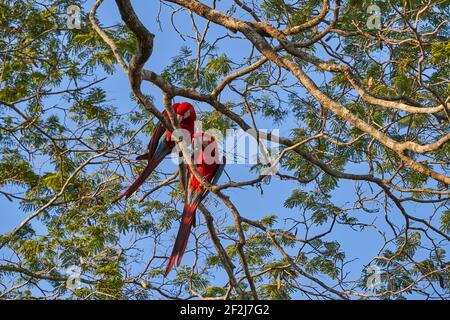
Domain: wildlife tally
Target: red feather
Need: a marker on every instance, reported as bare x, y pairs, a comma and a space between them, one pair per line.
159, 131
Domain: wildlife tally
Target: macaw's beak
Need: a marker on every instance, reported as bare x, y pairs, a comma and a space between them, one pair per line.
181, 117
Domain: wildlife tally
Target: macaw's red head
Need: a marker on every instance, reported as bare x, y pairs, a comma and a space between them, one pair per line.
186, 117
185, 112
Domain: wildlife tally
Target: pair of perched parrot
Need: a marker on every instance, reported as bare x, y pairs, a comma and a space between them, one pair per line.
161, 145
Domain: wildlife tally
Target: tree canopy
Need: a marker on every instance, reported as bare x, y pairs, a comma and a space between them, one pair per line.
358, 208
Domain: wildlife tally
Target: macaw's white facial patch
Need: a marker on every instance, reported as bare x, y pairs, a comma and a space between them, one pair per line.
184, 116
187, 114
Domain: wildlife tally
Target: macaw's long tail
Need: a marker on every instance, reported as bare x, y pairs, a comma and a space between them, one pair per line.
151, 165
138, 182
187, 221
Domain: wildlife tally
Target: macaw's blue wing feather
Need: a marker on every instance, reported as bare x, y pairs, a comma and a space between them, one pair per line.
160, 153
154, 142
193, 196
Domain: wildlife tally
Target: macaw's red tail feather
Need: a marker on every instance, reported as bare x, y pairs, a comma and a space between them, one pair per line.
152, 164
187, 221
170, 265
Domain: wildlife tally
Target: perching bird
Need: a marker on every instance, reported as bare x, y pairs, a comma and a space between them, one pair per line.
161, 143
206, 159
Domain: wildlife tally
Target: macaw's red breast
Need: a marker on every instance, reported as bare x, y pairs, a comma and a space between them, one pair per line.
206, 171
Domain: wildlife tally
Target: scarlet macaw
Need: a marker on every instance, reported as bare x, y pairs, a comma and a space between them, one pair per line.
205, 158
161, 143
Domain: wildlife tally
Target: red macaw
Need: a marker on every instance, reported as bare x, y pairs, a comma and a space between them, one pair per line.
161, 143
205, 158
